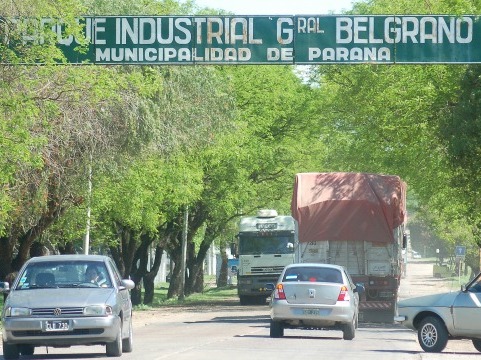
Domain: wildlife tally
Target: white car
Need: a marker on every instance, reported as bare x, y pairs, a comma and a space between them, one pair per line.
315, 296
440, 317
55, 302
416, 255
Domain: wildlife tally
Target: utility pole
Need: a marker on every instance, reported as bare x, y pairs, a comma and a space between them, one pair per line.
87, 232
184, 254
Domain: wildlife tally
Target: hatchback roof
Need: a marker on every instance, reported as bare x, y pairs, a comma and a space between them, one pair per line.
69, 257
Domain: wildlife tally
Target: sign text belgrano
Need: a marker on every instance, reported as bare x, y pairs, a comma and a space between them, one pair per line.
267, 39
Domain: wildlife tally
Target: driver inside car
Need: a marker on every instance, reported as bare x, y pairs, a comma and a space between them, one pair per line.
93, 276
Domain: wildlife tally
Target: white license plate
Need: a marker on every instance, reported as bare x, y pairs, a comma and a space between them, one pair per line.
57, 325
310, 311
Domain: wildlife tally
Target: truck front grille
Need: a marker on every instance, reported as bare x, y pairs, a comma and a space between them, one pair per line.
267, 269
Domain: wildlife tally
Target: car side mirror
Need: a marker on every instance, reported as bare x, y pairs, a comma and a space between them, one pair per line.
463, 288
270, 287
4, 287
127, 284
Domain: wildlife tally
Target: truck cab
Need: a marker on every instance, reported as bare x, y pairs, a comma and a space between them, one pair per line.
266, 246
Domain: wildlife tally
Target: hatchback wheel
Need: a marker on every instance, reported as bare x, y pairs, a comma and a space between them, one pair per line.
114, 348
432, 334
26, 349
477, 344
10, 352
128, 342
277, 329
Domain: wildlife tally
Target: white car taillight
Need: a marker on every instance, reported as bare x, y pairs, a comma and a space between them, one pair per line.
279, 292
344, 294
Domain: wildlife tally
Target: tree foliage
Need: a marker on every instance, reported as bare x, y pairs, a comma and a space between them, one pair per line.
220, 141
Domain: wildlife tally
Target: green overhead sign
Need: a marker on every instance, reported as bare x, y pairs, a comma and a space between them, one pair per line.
333, 39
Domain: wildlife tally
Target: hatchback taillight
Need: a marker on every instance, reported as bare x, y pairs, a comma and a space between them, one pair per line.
343, 294
279, 292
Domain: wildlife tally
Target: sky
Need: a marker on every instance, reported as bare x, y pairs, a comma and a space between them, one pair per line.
278, 7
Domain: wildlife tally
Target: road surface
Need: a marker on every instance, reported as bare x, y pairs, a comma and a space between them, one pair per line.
234, 332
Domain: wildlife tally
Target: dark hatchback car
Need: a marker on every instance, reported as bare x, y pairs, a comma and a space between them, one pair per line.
65, 300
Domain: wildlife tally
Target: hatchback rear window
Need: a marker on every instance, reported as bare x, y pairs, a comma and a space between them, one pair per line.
313, 274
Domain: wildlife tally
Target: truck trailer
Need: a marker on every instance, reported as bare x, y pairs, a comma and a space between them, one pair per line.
266, 245
357, 220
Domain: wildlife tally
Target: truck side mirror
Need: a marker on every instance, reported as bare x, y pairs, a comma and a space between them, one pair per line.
270, 287
405, 240
233, 249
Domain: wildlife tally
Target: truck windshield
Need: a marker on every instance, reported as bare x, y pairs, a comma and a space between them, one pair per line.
250, 244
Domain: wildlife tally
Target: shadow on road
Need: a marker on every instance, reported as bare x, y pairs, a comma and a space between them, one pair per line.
234, 319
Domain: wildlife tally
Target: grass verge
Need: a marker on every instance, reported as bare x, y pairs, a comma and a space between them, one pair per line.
211, 296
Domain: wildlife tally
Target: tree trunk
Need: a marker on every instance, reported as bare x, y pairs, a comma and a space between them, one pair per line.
197, 284
223, 275
175, 283
136, 294
149, 277
6, 253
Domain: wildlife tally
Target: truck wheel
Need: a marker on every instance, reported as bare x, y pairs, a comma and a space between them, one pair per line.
477, 344
10, 351
277, 329
261, 300
349, 330
432, 334
243, 300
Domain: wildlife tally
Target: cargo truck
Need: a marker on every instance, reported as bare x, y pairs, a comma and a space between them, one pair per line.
266, 245
357, 220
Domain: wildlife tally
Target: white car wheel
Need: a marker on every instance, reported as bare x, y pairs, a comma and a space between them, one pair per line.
127, 343
114, 348
432, 334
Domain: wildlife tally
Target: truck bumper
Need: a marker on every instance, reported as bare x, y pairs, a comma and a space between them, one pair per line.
255, 285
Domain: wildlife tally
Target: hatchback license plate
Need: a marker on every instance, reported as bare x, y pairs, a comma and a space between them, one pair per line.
57, 325
311, 311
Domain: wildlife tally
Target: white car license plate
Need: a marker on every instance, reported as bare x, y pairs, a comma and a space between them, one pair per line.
310, 311
57, 325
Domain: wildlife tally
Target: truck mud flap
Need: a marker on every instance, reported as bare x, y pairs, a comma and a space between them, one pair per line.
376, 312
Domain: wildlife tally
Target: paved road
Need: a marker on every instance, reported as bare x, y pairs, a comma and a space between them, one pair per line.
234, 332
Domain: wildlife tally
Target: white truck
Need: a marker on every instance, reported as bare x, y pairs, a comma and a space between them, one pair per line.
266, 246
357, 220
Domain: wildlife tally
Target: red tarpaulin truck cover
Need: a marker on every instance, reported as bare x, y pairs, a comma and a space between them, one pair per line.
348, 206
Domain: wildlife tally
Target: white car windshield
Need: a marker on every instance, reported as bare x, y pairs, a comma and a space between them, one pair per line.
54, 274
